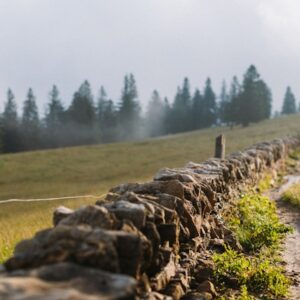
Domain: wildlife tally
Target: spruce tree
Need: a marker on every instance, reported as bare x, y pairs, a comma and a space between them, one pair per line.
102, 100
82, 110
30, 123
264, 101
82, 117
55, 131
247, 101
10, 115
185, 93
181, 120
129, 110
167, 116
197, 110
10, 125
224, 105
232, 110
209, 105
155, 115
255, 99
289, 103
30, 117
107, 117
55, 114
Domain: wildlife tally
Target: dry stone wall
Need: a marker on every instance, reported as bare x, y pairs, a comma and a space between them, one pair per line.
144, 241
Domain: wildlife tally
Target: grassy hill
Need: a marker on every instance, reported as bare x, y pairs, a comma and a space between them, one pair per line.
92, 170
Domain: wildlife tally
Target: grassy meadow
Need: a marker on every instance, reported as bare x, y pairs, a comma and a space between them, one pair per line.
92, 170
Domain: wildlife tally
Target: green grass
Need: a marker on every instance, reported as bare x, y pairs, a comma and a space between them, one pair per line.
256, 223
94, 169
257, 268
295, 155
259, 275
265, 184
292, 195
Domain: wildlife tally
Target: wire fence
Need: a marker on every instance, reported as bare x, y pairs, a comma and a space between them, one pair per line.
51, 199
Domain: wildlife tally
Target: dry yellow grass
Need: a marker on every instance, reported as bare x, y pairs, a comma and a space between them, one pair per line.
292, 195
94, 169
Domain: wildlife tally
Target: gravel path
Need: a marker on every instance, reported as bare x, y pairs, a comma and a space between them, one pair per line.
291, 252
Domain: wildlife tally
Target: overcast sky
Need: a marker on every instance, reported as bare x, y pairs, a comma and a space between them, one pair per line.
43, 42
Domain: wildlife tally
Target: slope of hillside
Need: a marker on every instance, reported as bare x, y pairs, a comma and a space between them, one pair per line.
94, 169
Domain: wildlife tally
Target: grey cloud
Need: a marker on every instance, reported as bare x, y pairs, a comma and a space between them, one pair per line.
160, 41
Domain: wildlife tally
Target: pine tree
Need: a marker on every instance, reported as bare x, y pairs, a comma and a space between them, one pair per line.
82, 110
107, 117
197, 110
264, 101
255, 99
10, 115
81, 115
102, 100
129, 110
224, 106
55, 130
185, 93
289, 103
209, 105
247, 100
30, 117
233, 107
180, 115
30, 123
1, 141
155, 115
10, 125
167, 116
55, 113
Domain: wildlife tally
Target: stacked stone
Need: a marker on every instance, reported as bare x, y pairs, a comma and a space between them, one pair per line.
144, 241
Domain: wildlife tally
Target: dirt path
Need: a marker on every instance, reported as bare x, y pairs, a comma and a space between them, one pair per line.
291, 252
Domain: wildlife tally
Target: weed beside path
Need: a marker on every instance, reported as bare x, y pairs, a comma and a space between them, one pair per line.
289, 213
292, 196
255, 272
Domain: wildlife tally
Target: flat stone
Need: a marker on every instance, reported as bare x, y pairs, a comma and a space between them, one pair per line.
66, 281
80, 244
93, 215
136, 213
60, 213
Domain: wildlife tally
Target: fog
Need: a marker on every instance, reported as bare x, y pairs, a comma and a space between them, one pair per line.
160, 41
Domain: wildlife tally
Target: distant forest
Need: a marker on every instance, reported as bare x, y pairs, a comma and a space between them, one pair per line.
88, 120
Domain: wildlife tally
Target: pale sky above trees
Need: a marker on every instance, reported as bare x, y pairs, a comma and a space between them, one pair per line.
63, 42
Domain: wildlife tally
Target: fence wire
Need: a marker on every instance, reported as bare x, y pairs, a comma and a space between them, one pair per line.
51, 199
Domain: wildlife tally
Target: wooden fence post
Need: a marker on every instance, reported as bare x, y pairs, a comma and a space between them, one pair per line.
220, 147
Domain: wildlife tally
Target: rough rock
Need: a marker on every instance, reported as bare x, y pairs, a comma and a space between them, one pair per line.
60, 213
66, 281
114, 251
207, 287
198, 296
136, 213
80, 244
92, 215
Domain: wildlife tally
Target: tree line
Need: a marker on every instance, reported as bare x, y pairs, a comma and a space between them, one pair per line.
88, 120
